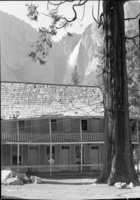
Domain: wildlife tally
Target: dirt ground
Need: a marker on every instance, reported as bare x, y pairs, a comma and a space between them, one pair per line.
67, 188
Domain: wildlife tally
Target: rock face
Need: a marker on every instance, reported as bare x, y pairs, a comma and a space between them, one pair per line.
17, 37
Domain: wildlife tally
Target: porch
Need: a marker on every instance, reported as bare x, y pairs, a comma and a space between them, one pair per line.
58, 137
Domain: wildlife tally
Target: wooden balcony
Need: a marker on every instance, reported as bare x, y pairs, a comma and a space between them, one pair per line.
60, 137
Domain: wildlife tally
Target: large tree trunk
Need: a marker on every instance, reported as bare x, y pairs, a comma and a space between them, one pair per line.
118, 163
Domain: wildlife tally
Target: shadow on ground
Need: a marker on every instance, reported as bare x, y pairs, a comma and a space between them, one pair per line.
64, 183
9, 197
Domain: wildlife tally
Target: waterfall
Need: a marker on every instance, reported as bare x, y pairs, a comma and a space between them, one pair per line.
72, 61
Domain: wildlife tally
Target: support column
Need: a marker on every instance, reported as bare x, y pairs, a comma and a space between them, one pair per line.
81, 145
50, 128
18, 146
70, 157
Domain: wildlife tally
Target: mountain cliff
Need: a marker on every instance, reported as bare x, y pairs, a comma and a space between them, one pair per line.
17, 37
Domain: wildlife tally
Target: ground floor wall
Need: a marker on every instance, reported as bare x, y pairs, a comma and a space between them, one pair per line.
64, 157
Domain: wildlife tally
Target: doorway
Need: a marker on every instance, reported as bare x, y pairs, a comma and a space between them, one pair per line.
94, 157
65, 157
33, 157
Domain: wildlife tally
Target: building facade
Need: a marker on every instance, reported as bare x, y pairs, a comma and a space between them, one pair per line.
49, 128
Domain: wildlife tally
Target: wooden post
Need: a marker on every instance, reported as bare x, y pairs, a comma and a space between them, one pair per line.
81, 144
50, 128
70, 157
18, 145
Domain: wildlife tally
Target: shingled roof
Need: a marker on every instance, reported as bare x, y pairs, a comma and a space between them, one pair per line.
30, 100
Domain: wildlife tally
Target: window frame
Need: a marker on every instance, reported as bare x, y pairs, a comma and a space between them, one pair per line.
82, 125
54, 124
21, 128
15, 154
47, 153
77, 154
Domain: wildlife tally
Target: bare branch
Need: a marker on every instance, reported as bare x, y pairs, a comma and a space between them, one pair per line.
131, 38
136, 44
132, 18
83, 12
61, 26
130, 79
98, 21
98, 9
66, 19
94, 16
44, 14
73, 7
55, 4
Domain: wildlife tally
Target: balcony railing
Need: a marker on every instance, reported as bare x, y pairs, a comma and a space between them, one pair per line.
60, 137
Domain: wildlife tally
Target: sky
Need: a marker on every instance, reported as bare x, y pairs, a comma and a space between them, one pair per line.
19, 10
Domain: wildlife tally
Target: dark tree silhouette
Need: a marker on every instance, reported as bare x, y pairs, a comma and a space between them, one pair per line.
75, 79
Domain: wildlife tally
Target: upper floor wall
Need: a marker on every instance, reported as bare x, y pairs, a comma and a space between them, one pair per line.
59, 125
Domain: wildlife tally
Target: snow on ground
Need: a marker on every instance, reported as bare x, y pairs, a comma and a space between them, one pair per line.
73, 189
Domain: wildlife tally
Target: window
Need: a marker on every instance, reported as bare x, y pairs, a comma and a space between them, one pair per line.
54, 124
14, 155
14, 160
84, 125
48, 155
21, 125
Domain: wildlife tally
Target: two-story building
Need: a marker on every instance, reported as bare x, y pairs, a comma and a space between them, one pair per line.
53, 127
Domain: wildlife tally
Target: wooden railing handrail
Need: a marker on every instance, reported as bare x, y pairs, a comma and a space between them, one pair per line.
56, 137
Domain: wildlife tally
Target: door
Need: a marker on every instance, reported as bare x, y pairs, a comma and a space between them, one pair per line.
33, 157
65, 150
94, 157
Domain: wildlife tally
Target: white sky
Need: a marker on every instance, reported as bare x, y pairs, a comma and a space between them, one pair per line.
19, 10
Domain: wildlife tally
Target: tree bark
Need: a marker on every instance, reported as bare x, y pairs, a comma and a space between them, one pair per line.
118, 160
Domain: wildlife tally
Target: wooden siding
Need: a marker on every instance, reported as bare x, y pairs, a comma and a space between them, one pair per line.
72, 150
76, 125
45, 126
90, 130
36, 128
24, 158
102, 152
95, 125
67, 125
42, 157
6, 126
60, 125
25, 154
86, 154
57, 154
6, 155
101, 126
14, 127
28, 126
